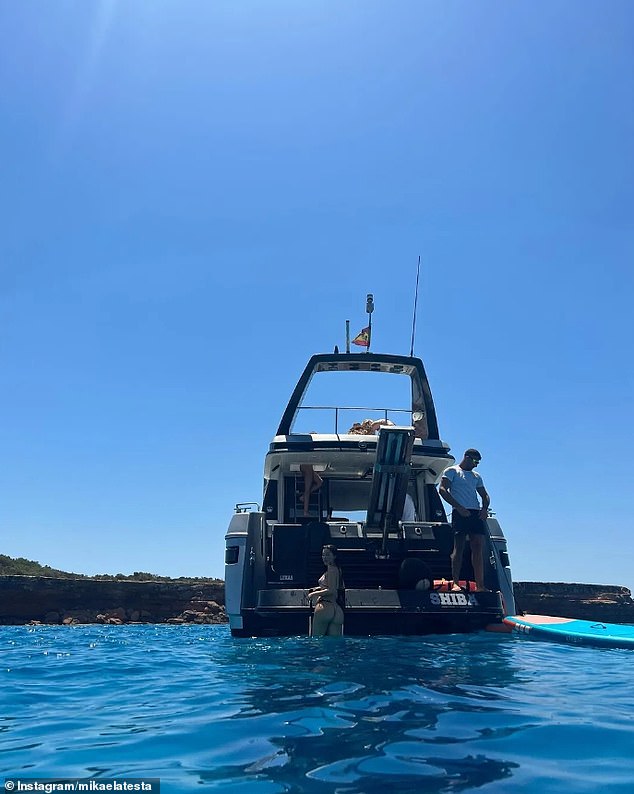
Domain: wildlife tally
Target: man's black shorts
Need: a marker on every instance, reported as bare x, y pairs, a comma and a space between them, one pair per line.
468, 525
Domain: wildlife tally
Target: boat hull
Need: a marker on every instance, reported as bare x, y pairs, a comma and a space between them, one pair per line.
372, 612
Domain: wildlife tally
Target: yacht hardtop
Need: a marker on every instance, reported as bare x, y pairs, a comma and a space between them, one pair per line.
378, 460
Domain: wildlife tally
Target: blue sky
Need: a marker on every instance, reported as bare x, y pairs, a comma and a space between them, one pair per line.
196, 195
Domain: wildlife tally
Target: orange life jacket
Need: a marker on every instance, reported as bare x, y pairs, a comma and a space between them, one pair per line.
445, 585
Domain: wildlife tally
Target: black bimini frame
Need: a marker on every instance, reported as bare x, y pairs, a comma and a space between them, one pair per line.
366, 362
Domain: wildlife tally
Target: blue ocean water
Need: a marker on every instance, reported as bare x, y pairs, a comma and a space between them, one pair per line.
203, 711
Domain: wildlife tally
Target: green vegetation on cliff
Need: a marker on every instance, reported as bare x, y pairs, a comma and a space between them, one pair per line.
19, 566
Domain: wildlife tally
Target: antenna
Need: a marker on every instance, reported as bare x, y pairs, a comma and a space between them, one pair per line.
411, 352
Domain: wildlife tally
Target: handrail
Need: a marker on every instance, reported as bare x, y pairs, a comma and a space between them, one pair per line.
246, 507
339, 408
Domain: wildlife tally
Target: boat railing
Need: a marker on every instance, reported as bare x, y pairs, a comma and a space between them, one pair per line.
247, 507
396, 415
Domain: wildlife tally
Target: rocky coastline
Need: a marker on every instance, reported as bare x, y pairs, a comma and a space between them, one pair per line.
606, 603
35, 600
47, 600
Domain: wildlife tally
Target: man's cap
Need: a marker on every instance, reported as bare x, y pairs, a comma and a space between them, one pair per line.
473, 454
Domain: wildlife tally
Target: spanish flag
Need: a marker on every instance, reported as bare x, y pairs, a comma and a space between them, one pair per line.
362, 338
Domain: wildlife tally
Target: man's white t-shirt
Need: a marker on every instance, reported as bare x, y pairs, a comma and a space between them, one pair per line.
463, 486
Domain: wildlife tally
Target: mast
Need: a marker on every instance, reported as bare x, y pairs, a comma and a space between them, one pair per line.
411, 352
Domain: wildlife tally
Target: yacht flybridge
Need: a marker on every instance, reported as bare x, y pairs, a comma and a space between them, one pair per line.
355, 462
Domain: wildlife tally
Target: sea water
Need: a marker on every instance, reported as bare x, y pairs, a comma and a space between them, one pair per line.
205, 712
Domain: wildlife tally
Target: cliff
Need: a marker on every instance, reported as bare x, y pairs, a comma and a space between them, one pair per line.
607, 603
42, 599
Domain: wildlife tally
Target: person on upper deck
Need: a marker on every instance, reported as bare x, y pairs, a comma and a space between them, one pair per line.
369, 427
460, 486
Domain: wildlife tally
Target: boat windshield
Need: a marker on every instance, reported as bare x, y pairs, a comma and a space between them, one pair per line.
335, 401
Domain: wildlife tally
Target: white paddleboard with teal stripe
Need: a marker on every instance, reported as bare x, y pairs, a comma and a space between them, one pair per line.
573, 632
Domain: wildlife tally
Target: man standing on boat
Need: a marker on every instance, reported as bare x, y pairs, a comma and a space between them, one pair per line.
460, 487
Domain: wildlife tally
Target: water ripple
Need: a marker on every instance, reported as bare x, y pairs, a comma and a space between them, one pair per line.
194, 707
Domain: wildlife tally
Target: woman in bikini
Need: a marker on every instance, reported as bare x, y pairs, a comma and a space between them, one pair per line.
328, 615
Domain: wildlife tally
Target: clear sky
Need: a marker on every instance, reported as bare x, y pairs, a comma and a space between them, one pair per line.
195, 196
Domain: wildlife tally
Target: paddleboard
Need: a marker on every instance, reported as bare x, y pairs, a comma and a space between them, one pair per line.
574, 632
